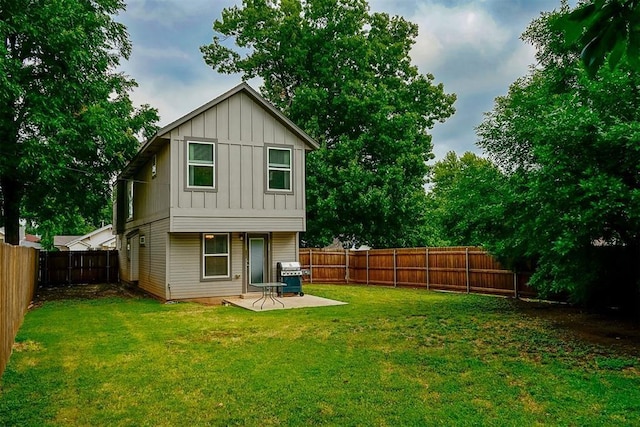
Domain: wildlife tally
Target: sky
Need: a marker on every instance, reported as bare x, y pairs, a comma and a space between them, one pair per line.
472, 47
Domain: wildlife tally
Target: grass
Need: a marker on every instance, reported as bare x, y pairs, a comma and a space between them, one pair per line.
391, 357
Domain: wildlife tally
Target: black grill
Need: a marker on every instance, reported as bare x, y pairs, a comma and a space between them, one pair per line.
290, 274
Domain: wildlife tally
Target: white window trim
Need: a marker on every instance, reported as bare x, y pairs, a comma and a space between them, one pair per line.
154, 166
213, 166
227, 254
130, 199
277, 168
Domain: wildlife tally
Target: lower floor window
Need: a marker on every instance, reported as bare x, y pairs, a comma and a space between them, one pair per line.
215, 254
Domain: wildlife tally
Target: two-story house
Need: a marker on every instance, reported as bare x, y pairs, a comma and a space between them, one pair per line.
214, 200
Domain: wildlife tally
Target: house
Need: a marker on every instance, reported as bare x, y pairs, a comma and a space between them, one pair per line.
26, 239
214, 200
100, 239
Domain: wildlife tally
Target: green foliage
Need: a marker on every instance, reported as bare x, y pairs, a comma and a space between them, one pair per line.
570, 146
604, 29
344, 75
66, 120
466, 200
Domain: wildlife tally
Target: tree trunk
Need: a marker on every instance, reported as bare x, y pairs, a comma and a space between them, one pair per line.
12, 196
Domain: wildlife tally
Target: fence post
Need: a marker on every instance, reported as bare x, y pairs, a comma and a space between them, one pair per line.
467, 267
108, 267
310, 266
367, 266
69, 269
427, 267
45, 274
395, 277
346, 268
515, 283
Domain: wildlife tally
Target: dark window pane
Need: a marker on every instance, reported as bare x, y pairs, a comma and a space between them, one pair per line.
279, 158
201, 153
215, 244
201, 176
279, 180
215, 266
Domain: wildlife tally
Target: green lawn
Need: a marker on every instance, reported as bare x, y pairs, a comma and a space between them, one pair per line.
390, 358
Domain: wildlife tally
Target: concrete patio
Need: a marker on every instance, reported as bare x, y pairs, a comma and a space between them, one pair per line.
306, 301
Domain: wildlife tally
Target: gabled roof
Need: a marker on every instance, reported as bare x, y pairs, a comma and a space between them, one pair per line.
79, 239
63, 240
152, 145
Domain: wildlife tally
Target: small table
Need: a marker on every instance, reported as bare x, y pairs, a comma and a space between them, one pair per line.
269, 291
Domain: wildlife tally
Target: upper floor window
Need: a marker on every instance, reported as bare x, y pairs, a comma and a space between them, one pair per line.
130, 199
201, 164
278, 169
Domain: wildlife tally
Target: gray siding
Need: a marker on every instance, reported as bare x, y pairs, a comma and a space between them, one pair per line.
185, 269
242, 128
284, 247
198, 222
152, 274
123, 263
151, 194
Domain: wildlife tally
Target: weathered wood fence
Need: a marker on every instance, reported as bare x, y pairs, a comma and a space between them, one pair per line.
18, 277
77, 267
459, 269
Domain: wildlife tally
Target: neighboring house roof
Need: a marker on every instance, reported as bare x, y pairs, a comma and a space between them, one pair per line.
27, 240
32, 238
102, 238
152, 145
63, 240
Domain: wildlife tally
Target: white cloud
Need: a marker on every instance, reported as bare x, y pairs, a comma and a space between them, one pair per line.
170, 13
444, 29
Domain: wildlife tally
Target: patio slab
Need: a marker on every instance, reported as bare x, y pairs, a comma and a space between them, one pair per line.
289, 302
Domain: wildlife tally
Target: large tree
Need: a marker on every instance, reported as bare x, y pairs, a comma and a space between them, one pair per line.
466, 200
571, 147
66, 121
345, 76
604, 29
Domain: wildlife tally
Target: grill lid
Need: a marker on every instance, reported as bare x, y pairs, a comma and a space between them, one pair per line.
290, 265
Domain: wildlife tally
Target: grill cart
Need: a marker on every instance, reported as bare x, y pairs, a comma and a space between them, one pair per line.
290, 274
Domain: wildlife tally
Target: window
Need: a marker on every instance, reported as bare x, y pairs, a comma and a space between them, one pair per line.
130, 199
201, 164
154, 166
215, 256
278, 169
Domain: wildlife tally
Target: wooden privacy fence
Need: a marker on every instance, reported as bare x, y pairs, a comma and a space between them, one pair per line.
18, 271
76, 267
460, 269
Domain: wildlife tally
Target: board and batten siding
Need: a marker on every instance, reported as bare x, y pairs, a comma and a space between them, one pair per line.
284, 247
151, 194
242, 128
152, 256
186, 264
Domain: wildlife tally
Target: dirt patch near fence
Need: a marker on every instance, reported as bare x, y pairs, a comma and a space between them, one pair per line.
83, 292
608, 329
